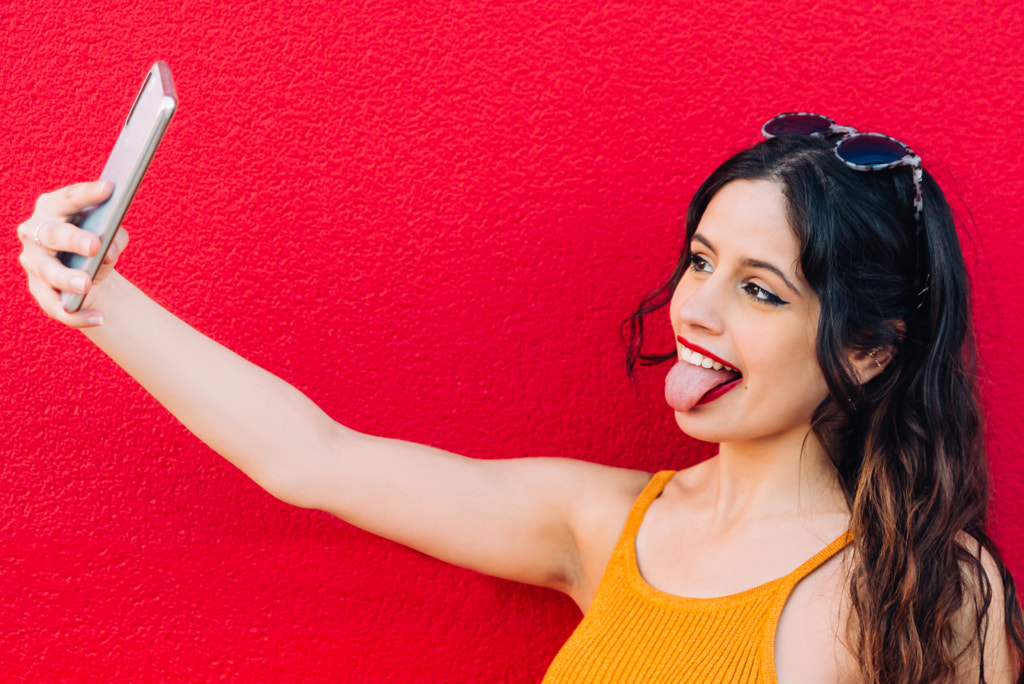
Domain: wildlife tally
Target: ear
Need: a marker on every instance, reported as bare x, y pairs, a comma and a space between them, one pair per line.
867, 365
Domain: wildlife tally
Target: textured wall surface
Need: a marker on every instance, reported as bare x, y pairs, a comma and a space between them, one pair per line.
431, 219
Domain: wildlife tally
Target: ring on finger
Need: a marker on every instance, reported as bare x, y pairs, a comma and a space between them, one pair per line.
35, 233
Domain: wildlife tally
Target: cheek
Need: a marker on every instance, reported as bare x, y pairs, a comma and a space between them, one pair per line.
802, 374
788, 361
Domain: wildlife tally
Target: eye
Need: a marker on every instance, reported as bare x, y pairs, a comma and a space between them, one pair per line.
759, 294
699, 264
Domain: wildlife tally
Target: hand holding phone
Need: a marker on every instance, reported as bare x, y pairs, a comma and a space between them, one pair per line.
142, 132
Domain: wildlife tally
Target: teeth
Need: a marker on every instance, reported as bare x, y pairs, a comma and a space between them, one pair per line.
698, 359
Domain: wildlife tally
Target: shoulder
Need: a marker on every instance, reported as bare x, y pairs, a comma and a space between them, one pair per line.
980, 629
602, 497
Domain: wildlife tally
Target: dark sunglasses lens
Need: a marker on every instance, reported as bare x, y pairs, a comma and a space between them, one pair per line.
871, 150
798, 124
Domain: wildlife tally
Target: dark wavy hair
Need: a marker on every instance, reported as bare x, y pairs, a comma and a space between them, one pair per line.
908, 445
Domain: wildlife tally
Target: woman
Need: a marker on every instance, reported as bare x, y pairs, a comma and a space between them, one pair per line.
822, 327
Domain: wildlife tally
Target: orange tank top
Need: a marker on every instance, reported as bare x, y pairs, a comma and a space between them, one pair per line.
635, 633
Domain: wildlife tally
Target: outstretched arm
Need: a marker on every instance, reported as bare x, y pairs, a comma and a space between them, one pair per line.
535, 520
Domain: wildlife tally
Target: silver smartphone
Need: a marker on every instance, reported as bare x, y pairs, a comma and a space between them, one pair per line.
143, 129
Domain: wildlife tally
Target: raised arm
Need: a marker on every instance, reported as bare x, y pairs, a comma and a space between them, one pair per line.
540, 521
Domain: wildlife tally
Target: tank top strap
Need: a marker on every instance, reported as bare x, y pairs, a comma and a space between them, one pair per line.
652, 490
819, 559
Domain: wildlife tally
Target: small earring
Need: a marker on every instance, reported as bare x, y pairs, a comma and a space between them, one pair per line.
872, 355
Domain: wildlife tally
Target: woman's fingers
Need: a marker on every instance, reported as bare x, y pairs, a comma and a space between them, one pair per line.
48, 232
59, 236
117, 247
49, 237
50, 302
114, 251
72, 199
59, 277
48, 228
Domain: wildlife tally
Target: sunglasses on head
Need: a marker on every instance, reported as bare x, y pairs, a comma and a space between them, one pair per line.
860, 151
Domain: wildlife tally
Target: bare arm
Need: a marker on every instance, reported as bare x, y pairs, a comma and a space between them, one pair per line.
524, 519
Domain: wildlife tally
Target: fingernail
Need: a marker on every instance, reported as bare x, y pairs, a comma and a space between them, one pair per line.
78, 284
86, 245
94, 320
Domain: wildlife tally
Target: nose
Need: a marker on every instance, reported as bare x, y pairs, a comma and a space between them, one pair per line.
697, 304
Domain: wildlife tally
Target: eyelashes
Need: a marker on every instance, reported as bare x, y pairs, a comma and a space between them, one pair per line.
759, 294
698, 264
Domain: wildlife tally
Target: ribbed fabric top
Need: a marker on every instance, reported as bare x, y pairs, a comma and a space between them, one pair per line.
635, 633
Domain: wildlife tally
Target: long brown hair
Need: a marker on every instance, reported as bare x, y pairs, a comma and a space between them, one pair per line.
908, 446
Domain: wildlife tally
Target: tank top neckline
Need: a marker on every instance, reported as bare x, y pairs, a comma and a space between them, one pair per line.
636, 580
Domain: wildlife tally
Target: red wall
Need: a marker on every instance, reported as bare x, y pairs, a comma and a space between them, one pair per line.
431, 221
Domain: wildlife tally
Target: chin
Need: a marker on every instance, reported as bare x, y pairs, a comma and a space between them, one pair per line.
703, 430
707, 428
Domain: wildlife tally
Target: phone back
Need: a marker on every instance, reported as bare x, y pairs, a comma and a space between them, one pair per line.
143, 129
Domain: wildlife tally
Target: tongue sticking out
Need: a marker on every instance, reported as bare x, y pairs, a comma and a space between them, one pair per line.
686, 384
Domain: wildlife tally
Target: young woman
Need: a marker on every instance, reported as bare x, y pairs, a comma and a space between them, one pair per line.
821, 315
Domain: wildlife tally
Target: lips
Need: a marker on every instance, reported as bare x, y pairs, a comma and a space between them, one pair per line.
699, 377
691, 352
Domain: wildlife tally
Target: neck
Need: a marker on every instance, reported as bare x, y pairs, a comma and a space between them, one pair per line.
789, 475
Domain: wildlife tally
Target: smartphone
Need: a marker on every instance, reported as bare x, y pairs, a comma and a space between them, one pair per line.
143, 129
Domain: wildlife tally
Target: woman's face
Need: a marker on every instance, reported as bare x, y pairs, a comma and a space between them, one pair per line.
744, 303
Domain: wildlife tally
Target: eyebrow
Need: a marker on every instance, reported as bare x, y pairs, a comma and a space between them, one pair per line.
753, 263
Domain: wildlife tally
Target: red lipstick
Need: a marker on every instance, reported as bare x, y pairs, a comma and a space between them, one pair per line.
719, 390
716, 392
701, 350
